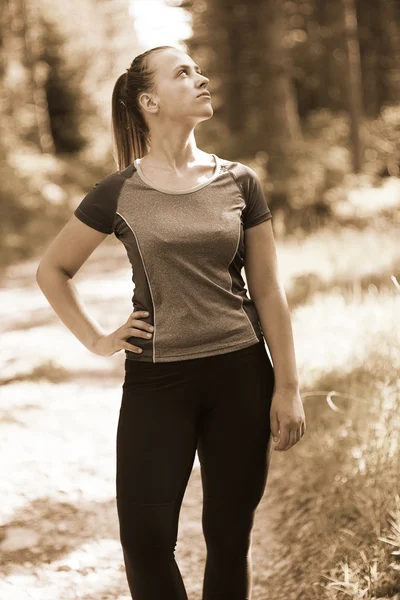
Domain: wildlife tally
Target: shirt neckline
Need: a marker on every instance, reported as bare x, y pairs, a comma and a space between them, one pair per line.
185, 191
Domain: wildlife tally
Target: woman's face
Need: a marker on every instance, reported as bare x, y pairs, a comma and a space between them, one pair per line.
177, 88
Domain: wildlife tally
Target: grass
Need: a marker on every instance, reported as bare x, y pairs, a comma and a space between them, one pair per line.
339, 487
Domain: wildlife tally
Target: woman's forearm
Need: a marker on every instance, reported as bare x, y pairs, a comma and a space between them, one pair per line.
275, 322
65, 300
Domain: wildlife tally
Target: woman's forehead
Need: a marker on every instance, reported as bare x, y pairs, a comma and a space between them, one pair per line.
169, 60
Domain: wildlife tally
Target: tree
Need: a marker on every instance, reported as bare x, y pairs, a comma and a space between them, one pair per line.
354, 84
241, 44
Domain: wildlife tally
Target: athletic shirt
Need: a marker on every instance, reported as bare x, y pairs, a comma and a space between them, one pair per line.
186, 249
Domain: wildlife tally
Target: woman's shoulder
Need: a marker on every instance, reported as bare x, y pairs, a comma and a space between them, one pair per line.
242, 173
98, 207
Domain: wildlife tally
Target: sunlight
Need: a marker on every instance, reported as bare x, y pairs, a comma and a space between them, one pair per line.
157, 24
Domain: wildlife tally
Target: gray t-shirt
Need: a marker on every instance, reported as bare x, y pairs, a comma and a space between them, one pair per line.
186, 249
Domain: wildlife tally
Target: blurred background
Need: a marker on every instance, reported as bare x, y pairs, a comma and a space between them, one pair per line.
307, 93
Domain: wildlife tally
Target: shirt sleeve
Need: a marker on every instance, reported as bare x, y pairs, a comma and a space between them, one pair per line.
98, 207
256, 210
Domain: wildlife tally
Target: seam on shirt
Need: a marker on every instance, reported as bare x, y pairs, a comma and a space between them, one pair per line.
233, 176
244, 344
214, 348
91, 220
260, 219
148, 281
267, 214
237, 184
192, 190
231, 290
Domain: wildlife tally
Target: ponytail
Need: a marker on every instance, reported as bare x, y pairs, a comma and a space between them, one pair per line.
130, 130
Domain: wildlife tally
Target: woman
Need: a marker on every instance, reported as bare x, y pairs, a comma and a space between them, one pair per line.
197, 374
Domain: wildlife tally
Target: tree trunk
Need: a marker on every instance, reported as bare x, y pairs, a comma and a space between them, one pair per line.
354, 84
279, 123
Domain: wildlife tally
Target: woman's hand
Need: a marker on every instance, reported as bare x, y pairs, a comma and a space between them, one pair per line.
109, 344
287, 418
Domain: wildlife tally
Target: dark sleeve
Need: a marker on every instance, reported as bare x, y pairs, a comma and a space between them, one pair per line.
256, 210
98, 207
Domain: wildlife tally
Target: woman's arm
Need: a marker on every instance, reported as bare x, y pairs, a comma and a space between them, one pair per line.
64, 298
287, 416
268, 294
61, 261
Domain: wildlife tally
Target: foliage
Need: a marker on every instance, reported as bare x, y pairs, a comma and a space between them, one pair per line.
382, 142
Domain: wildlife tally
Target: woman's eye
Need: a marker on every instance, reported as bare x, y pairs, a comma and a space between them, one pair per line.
185, 71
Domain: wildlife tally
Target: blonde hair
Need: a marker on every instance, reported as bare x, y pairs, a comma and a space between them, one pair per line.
130, 130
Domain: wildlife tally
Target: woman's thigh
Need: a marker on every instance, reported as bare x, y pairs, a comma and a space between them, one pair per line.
234, 442
157, 432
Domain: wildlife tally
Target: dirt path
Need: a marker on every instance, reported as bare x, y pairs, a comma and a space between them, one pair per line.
59, 407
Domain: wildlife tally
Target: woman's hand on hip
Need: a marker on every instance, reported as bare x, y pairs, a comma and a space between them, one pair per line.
109, 344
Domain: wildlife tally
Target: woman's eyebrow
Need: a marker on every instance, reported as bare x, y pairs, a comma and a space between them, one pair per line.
186, 67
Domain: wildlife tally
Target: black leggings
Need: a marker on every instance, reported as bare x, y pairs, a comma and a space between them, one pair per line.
220, 406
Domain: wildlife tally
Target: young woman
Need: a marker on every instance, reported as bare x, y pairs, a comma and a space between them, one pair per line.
197, 373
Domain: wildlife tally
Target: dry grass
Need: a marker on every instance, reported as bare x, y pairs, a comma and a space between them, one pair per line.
340, 524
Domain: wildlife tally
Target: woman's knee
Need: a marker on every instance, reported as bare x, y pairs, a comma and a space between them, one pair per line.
227, 529
148, 532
